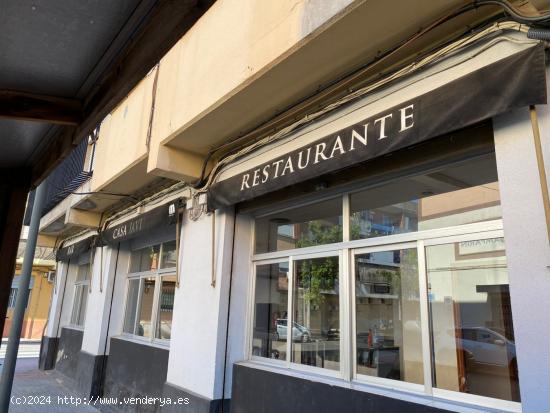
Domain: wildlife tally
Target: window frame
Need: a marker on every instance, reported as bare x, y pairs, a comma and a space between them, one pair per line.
12, 299
363, 378
252, 309
157, 274
83, 285
346, 250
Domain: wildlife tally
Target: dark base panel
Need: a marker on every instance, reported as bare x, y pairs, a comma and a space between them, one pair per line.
194, 403
84, 369
135, 370
256, 390
90, 373
48, 352
70, 343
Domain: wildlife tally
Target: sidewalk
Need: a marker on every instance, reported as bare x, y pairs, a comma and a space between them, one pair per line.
49, 391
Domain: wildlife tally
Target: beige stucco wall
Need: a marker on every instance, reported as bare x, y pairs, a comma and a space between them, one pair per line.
122, 142
234, 42
232, 46
36, 313
242, 63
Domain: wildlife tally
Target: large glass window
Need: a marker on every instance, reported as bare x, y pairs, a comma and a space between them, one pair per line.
316, 224
271, 311
454, 195
387, 312
145, 313
403, 284
471, 319
145, 259
132, 299
81, 286
13, 297
12, 300
313, 327
169, 256
166, 307
316, 306
150, 291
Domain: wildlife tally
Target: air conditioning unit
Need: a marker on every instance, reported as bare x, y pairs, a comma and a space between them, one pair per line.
51, 276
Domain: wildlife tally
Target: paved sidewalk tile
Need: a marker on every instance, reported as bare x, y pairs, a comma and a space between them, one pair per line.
29, 381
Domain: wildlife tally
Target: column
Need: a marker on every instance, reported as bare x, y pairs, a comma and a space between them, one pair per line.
199, 325
527, 250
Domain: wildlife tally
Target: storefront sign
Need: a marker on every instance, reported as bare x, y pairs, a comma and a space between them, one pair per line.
492, 247
460, 103
389, 127
162, 216
76, 249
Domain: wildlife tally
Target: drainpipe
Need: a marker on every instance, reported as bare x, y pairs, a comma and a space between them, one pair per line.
8, 370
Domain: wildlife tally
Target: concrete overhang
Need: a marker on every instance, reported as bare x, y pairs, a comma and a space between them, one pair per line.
341, 45
344, 43
53, 223
65, 219
86, 200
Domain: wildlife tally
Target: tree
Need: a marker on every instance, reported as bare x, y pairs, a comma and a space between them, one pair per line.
320, 274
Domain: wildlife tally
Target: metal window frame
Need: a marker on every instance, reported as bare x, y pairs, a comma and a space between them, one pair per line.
346, 250
13, 297
363, 378
427, 346
252, 315
157, 274
79, 285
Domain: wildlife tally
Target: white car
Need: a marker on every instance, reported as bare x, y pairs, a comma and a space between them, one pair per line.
299, 332
487, 347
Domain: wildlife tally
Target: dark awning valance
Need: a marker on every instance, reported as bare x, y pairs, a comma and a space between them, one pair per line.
162, 216
512, 82
76, 249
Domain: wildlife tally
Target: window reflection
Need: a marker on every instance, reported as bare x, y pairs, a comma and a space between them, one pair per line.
316, 301
271, 311
83, 272
169, 255
145, 272
166, 307
82, 282
143, 327
456, 195
131, 306
316, 224
145, 259
472, 331
79, 306
388, 315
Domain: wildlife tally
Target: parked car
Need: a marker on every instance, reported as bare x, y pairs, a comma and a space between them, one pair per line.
487, 347
333, 334
299, 332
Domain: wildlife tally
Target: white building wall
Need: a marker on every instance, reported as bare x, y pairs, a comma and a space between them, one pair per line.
67, 307
119, 286
200, 310
99, 300
57, 297
528, 251
240, 297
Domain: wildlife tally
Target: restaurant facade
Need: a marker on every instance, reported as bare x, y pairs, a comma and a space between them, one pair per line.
384, 249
